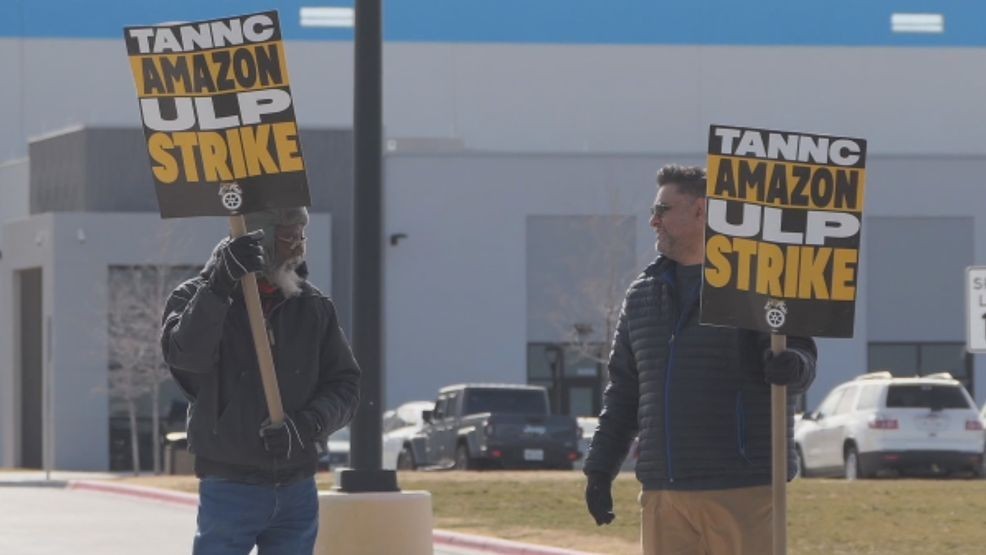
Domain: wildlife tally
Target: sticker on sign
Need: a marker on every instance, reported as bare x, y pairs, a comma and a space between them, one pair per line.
975, 321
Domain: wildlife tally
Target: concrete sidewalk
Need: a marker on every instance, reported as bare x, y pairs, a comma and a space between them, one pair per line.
53, 521
95, 513
57, 478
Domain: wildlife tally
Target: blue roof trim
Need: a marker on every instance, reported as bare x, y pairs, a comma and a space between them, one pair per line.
678, 22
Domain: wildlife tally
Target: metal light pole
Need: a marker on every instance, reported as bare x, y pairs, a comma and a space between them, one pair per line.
366, 441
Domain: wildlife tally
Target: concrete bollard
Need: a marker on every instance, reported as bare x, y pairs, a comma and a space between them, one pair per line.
398, 523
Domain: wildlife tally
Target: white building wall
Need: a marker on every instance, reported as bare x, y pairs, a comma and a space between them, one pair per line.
560, 98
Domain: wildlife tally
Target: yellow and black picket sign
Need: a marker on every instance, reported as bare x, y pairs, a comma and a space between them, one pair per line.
783, 231
221, 133
782, 236
216, 105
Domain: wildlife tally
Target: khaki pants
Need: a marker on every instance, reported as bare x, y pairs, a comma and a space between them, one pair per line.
714, 522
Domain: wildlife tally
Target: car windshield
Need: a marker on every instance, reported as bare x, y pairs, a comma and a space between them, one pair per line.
515, 401
926, 396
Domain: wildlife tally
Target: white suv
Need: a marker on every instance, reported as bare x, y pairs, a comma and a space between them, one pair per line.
878, 422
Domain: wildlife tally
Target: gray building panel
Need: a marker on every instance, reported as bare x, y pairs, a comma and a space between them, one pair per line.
59, 171
14, 189
117, 171
578, 270
916, 275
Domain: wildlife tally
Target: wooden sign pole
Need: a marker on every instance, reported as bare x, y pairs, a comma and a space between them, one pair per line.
237, 226
778, 430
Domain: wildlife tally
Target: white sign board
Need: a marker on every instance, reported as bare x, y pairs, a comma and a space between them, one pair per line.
975, 321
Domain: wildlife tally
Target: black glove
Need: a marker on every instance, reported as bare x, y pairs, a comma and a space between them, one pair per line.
281, 440
235, 258
308, 424
783, 368
599, 497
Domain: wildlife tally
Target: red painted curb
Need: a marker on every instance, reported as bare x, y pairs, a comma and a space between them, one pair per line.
497, 546
469, 541
185, 499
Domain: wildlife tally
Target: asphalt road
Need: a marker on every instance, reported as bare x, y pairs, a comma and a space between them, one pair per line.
54, 521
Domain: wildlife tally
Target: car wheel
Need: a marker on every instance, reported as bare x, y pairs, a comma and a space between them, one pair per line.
802, 468
852, 464
462, 461
405, 459
978, 472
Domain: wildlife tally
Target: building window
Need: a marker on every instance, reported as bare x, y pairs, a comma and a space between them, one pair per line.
139, 385
572, 373
921, 359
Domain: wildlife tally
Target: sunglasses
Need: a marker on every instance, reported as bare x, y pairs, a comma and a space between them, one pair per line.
291, 239
659, 210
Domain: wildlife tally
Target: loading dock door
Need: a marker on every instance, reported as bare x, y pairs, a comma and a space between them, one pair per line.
30, 371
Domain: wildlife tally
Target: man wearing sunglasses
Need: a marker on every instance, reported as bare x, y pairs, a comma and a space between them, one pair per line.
257, 484
697, 396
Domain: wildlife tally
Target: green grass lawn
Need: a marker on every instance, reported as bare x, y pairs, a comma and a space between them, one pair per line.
899, 517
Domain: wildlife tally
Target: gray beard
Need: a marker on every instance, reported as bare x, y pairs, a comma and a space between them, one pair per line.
285, 278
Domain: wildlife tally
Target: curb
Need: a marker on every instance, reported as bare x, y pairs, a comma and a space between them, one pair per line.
140, 492
57, 484
442, 537
497, 546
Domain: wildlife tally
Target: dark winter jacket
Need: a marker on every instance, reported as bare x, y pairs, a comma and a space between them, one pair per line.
207, 343
695, 394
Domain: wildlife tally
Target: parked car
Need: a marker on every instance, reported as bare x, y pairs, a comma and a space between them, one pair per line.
587, 427
982, 418
336, 453
399, 426
878, 423
493, 425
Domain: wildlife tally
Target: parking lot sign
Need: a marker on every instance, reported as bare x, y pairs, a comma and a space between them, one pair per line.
975, 321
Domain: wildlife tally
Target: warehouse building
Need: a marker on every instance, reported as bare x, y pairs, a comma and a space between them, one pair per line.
519, 169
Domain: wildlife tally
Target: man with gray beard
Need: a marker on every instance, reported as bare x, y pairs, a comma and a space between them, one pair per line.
257, 484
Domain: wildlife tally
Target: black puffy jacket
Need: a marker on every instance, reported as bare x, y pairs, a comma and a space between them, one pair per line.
696, 395
207, 343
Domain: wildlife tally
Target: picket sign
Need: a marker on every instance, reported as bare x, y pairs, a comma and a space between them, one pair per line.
222, 137
261, 343
778, 453
782, 240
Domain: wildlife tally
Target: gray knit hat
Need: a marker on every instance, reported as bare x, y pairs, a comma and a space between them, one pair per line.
268, 220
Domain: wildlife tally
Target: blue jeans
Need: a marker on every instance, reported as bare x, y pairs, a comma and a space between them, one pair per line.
233, 517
